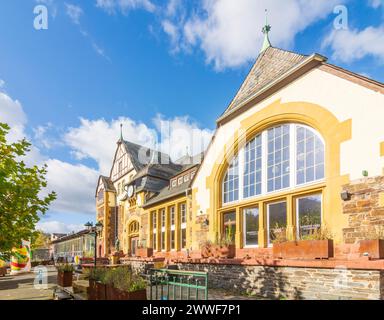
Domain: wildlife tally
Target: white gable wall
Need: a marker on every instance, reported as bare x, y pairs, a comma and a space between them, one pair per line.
344, 99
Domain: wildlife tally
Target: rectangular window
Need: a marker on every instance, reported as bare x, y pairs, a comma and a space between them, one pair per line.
252, 168
173, 240
229, 225
183, 226
183, 238
154, 229
277, 221
278, 164
308, 210
251, 227
173, 227
162, 235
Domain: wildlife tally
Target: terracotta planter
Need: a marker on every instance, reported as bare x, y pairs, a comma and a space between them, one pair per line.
374, 248
92, 290
224, 252
304, 249
101, 293
3, 271
206, 252
136, 295
144, 252
64, 279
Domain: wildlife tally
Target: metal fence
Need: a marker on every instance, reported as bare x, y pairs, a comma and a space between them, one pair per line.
166, 284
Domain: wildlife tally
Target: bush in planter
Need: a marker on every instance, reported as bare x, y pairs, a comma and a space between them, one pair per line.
97, 287
317, 244
131, 287
225, 247
373, 245
64, 275
207, 249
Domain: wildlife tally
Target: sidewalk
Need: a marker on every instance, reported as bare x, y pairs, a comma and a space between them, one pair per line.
22, 287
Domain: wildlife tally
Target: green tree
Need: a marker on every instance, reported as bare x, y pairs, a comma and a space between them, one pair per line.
21, 201
40, 240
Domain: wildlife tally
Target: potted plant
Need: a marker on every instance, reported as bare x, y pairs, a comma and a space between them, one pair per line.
317, 244
131, 287
94, 275
64, 275
225, 248
207, 249
142, 251
373, 245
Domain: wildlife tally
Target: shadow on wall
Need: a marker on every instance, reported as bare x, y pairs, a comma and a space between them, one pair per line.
269, 282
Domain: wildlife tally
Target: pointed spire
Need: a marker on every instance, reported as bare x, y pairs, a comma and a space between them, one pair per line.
265, 30
121, 133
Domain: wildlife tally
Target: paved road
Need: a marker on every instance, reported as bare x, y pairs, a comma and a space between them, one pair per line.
22, 287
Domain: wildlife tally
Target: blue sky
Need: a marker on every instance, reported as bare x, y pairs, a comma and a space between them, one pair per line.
145, 63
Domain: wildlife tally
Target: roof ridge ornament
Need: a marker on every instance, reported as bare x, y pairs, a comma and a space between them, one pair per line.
266, 29
121, 134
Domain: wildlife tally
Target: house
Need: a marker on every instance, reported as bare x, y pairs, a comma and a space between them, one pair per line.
300, 148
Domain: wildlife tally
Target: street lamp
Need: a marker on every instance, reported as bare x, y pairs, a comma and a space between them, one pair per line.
95, 230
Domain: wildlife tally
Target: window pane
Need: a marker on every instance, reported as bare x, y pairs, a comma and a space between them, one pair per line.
251, 232
231, 182
252, 168
173, 239
229, 225
183, 238
309, 155
309, 214
278, 153
277, 219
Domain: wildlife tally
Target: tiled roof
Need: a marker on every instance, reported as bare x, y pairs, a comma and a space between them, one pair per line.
108, 185
271, 64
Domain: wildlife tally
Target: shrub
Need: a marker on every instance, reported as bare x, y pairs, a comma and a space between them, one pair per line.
318, 234
65, 268
97, 274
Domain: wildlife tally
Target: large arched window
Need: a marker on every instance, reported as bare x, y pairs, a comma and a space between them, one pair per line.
281, 157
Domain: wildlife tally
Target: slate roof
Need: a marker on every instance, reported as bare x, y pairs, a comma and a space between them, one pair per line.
271, 64
167, 193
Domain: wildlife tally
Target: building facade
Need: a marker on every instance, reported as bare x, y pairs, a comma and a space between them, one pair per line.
287, 154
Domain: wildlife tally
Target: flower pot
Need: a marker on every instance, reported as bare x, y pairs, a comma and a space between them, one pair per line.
3, 271
64, 278
144, 252
304, 249
101, 291
224, 252
374, 248
135, 295
206, 252
92, 290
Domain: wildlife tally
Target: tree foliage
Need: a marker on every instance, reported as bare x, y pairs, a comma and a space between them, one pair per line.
21, 202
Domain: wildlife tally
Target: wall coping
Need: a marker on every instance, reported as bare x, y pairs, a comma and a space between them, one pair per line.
358, 264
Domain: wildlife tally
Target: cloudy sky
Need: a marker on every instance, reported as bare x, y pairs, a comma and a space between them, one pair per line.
150, 64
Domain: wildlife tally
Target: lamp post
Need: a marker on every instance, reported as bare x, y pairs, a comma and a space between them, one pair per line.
95, 230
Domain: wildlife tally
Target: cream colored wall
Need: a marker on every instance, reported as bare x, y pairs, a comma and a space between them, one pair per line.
346, 100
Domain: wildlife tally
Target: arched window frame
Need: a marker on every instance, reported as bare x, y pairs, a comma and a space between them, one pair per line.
241, 156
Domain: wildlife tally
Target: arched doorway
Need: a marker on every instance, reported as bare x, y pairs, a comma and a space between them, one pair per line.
133, 237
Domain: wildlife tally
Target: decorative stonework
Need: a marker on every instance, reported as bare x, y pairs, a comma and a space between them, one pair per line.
365, 209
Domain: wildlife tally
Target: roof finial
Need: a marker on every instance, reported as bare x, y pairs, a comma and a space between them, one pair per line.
121, 132
265, 30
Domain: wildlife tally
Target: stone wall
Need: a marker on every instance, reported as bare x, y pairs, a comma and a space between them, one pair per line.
293, 282
365, 209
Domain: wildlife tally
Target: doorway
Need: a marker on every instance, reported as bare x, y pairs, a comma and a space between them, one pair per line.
134, 244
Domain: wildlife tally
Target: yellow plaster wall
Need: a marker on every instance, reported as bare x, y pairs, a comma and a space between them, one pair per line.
334, 134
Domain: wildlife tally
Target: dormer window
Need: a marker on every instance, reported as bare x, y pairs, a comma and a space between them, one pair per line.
180, 180
186, 178
174, 183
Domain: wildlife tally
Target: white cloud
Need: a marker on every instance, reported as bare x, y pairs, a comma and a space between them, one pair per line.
125, 5
74, 12
352, 45
376, 3
172, 31
58, 227
74, 185
96, 139
229, 32
2, 83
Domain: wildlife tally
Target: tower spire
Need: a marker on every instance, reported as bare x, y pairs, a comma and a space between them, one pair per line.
121, 132
266, 29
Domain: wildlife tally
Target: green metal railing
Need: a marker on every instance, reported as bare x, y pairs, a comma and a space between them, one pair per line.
167, 284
